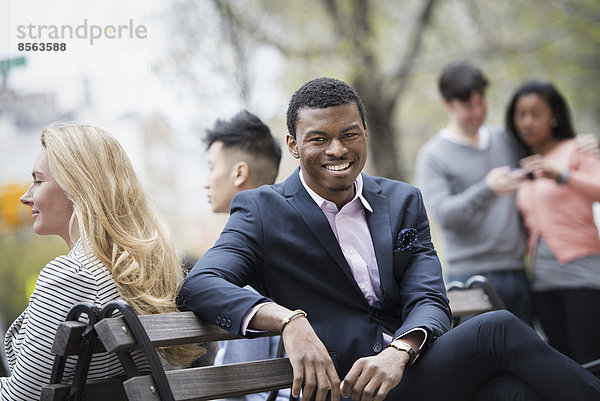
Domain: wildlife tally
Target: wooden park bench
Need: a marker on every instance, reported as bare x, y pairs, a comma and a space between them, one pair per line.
475, 296
129, 332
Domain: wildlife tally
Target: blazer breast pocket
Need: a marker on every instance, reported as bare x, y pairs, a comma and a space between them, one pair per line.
405, 243
406, 240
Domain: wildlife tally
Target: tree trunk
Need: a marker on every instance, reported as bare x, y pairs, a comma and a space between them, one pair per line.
383, 139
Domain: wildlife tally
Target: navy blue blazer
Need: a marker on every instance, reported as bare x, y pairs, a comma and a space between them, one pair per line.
279, 241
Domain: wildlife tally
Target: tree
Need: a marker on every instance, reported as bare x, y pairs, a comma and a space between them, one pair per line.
384, 49
348, 30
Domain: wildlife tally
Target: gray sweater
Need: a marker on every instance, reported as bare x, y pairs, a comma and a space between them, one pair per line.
482, 232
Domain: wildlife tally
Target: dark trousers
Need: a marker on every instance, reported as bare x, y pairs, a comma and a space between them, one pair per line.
571, 320
494, 356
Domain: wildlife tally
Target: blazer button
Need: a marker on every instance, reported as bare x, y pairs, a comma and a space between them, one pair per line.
377, 348
218, 320
228, 323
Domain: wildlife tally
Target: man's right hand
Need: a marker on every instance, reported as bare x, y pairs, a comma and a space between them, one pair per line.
310, 361
308, 356
502, 180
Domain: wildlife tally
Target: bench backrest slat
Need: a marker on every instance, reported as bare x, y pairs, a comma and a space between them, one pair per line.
163, 330
217, 381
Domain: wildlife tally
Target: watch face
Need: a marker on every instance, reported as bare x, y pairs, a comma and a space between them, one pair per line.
402, 345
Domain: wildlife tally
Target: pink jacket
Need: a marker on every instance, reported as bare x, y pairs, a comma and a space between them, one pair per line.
562, 214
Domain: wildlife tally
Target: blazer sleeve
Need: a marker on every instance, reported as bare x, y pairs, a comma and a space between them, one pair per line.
422, 291
213, 288
29, 340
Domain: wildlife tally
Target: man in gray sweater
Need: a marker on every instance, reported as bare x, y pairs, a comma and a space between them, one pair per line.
466, 173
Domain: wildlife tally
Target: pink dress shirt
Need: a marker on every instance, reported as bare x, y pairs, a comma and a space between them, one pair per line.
350, 228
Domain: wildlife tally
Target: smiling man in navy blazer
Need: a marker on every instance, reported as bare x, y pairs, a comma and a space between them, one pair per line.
346, 270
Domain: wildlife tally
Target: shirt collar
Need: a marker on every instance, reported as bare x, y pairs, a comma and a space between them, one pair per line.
319, 200
77, 248
483, 132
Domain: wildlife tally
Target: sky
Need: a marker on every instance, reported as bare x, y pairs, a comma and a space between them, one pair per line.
119, 70
112, 48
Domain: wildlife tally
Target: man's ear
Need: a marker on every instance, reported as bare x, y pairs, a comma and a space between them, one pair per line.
292, 146
240, 174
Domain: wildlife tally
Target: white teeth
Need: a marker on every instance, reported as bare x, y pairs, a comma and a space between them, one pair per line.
338, 167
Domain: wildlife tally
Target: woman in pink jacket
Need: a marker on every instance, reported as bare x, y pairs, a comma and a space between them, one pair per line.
556, 205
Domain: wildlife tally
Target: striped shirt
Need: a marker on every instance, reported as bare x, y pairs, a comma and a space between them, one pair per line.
62, 283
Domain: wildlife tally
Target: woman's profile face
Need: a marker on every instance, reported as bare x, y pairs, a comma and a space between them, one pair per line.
533, 120
51, 210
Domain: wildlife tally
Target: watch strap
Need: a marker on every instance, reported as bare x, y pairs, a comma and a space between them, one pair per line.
404, 346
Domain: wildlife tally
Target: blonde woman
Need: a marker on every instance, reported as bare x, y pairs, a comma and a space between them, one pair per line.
85, 190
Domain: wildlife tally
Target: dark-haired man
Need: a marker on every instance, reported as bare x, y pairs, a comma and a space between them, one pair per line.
347, 272
242, 154
467, 176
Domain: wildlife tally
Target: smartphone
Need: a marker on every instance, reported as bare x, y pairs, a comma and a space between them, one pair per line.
529, 175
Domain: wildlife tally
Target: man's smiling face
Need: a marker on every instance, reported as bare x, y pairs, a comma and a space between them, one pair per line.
331, 144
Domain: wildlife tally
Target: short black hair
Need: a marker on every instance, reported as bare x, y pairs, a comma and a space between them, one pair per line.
460, 79
556, 102
247, 133
321, 93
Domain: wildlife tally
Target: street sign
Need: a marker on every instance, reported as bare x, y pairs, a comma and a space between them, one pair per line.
8, 63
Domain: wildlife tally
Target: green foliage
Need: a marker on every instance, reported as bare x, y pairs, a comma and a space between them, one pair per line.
22, 256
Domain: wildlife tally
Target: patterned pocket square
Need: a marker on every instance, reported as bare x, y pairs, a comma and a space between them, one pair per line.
407, 239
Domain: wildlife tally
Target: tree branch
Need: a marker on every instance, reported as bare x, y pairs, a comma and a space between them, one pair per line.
334, 14
260, 36
414, 45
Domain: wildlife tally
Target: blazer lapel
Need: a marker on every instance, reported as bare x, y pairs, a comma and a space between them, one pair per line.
381, 230
315, 219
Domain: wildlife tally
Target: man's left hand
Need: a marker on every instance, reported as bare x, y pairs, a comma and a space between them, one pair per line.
372, 378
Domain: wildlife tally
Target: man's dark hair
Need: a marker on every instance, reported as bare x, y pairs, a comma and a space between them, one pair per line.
247, 133
321, 93
563, 129
460, 79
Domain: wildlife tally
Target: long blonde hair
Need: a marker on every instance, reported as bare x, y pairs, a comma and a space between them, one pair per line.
114, 217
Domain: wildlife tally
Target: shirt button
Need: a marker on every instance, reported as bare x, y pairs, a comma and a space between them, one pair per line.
350, 251
363, 286
377, 348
